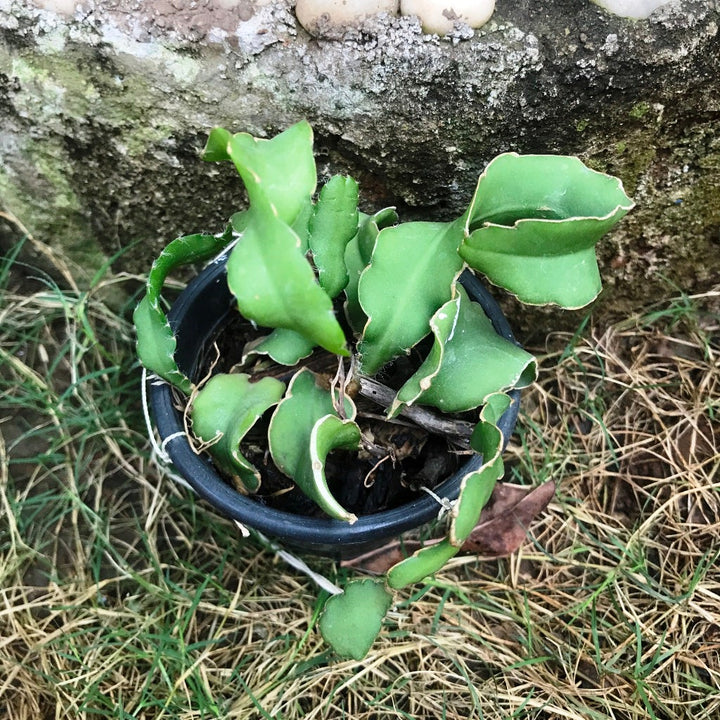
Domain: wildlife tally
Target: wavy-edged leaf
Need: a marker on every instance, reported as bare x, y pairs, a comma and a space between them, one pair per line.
217, 145
156, 345
304, 428
155, 339
329, 433
182, 251
354, 314
533, 224
279, 172
423, 563
410, 276
223, 412
333, 224
240, 220
475, 490
468, 361
357, 256
369, 229
301, 225
476, 487
352, 620
275, 286
494, 407
285, 347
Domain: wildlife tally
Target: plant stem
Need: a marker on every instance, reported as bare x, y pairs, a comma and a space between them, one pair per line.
459, 431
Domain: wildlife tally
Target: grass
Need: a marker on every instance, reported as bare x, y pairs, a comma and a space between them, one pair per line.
121, 596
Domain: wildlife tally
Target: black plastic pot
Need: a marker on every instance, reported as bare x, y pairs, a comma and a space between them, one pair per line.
196, 317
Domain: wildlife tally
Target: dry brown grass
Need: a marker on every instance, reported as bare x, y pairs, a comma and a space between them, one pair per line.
120, 596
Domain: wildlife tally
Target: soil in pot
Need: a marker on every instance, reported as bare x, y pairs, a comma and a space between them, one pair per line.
395, 460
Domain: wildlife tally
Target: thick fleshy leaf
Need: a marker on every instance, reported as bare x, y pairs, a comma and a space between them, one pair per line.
222, 413
156, 345
533, 223
468, 361
410, 276
494, 406
304, 428
329, 433
475, 490
217, 148
275, 286
182, 251
357, 257
155, 340
279, 172
285, 347
354, 314
240, 220
352, 620
426, 561
369, 229
333, 224
476, 487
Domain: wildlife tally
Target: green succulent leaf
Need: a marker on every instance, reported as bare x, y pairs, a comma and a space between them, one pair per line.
352, 620
301, 225
354, 314
217, 148
494, 407
476, 487
223, 412
240, 220
155, 339
411, 275
533, 224
370, 228
475, 491
279, 172
304, 428
468, 361
182, 251
329, 433
156, 345
333, 224
357, 257
275, 286
423, 563
285, 347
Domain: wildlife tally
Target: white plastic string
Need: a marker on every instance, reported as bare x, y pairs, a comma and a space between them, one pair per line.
243, 530
174, 436
446, 505
295, 562
159, 453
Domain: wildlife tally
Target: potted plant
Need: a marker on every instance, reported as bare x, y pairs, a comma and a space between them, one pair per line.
338, 308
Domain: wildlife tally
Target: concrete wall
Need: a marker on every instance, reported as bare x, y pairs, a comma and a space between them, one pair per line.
104, 107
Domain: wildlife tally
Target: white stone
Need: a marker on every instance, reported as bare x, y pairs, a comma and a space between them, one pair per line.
316, 15
636, 9
440, 16
62, 7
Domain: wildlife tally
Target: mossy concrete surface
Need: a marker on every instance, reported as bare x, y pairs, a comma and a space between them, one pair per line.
104, 112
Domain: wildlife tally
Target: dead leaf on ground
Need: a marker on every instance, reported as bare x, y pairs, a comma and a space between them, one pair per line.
505, 522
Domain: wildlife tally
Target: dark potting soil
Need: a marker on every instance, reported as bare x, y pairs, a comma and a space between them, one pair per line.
395, 460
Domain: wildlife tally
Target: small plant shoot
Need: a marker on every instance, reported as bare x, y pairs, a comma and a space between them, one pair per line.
315, 275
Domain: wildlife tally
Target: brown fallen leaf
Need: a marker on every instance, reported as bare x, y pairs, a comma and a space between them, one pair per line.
502, 528
505, 522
